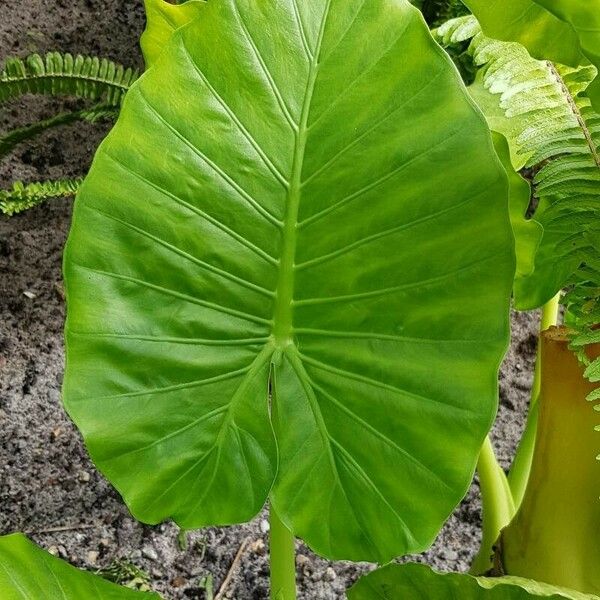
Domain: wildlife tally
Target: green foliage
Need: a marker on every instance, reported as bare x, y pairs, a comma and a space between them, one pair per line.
23, 196
162, 20
420, 582
292, 233
585, 336
554, 132
562, 31
100, 80
29, 573
56, 74
125, 573
437, 12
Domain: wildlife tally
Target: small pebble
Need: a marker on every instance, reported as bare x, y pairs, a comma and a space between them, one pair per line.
257, 546
330, 574
149, 553
84, 476
53, 550
92, 557
302, 560
136, 554
451, 555
264, 526
29, 294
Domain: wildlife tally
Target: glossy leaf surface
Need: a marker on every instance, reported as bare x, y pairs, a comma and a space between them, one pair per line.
419, 582
162, 20
29, 573
563, 31
312, 204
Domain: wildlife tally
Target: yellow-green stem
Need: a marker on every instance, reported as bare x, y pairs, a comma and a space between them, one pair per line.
283, 560
553, 537
498, 506
521, 466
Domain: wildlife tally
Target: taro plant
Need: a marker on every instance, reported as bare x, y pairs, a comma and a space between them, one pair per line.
538, 521
29, 573
289, 275
317, 303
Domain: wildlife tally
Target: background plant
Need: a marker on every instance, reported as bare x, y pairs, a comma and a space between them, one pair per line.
550, 128
99, 81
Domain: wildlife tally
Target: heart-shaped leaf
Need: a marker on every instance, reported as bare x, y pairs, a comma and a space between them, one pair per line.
298, 197
416, 582
563, 31
29, 573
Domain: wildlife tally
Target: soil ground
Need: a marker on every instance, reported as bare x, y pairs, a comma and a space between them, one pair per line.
48, 486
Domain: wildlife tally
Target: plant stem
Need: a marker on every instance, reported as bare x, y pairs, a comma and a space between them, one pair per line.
521, 466
498, 505
283, 560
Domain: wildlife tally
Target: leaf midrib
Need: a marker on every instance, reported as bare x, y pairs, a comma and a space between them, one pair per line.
282, 320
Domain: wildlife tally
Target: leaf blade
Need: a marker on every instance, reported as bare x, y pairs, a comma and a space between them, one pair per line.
27, 571
306, 215
395, 582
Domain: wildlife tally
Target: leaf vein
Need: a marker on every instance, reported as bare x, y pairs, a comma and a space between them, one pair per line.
261, 210
191, 299
212, 220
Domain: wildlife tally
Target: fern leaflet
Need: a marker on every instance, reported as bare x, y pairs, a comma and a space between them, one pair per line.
90, 77
11, 139
23, 196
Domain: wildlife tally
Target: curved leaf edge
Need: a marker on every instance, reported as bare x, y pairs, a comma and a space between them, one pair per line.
383, 583
29, 569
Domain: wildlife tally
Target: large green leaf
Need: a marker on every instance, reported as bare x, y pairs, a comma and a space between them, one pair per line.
563, 31
301, 197
29, 573
419, 582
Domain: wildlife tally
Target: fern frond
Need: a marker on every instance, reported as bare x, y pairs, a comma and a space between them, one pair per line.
22, 134
90, 77
553, 130
23, 196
